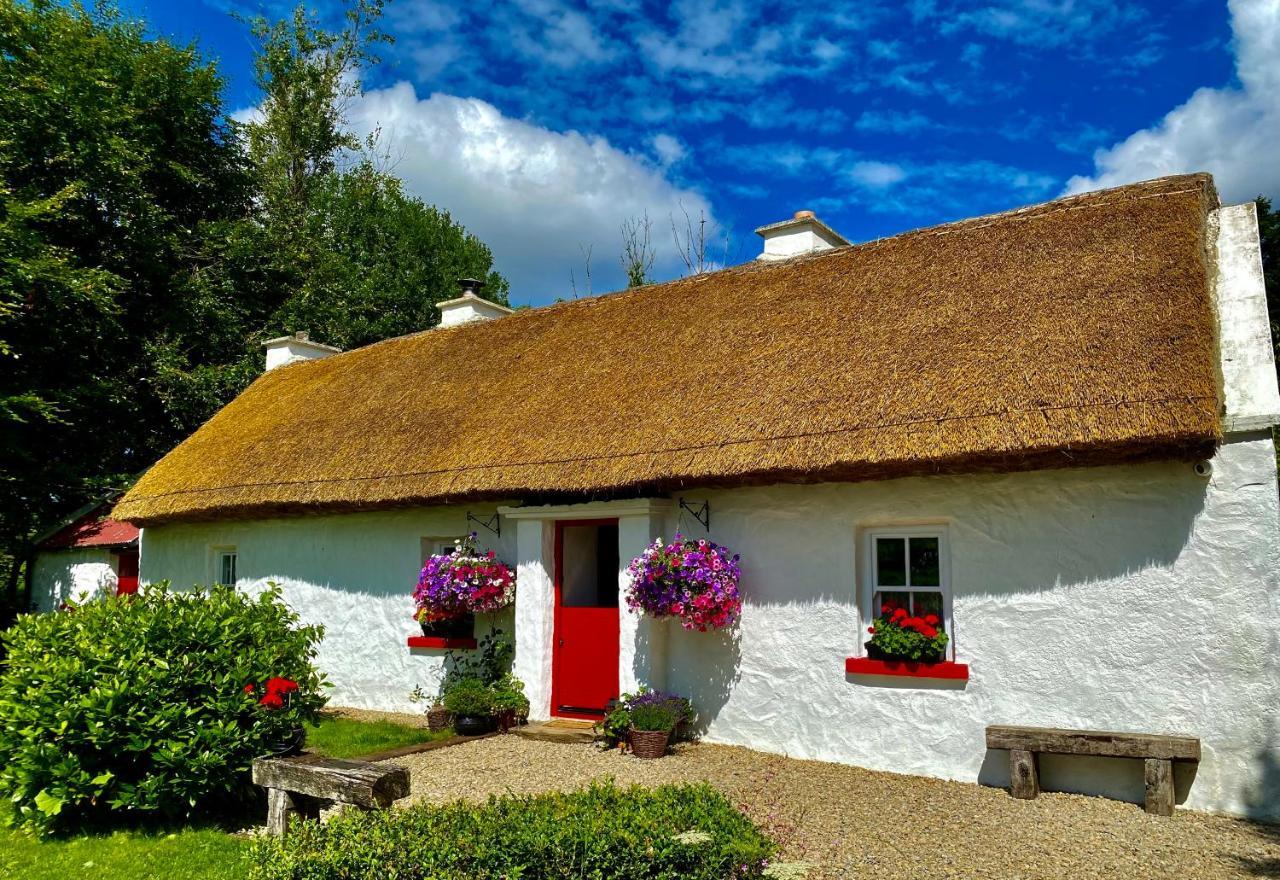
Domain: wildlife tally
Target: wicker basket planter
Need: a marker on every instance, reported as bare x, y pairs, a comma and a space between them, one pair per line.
438, 718
649, 743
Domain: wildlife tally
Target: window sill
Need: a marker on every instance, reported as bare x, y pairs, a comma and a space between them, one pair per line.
440, 642
946, 669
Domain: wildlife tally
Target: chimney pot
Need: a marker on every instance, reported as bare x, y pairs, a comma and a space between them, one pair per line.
302, 335
470, 285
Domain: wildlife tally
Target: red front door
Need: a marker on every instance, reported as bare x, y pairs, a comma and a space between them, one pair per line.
584, 661
127, 573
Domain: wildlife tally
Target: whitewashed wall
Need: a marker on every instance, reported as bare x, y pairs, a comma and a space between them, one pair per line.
353, 573
1139, 598
80, 574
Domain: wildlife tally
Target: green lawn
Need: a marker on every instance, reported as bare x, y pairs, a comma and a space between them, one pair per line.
347, 738
190, 854
124, 855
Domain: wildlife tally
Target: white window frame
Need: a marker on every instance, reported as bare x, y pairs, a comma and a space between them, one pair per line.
870, 587
435, 546
217, 555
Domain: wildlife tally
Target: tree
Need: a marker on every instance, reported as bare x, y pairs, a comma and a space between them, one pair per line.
1269, 233
114, 153
637, 252
147, 250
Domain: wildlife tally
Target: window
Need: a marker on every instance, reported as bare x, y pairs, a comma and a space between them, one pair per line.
437, 547
225, 566
909, 567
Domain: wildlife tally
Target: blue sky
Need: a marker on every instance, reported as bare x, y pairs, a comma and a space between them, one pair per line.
543, 125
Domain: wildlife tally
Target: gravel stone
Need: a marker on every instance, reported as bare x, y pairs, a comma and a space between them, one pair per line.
849, 822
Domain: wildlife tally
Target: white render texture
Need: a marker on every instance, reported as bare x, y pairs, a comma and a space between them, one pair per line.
1138, 597
354, 573
79, 574
1248, 364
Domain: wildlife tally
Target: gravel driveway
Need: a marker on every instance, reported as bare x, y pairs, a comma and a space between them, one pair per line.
854, 823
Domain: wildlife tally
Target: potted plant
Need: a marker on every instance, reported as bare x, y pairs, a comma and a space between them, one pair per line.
651, 726
277, 695
509, 702
899, 635
694, 581
454, 587
470, 701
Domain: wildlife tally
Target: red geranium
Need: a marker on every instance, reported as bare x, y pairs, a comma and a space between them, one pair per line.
281, 686
271, 700
248, 689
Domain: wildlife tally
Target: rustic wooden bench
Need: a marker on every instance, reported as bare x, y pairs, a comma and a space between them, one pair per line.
1159, 752
301, 785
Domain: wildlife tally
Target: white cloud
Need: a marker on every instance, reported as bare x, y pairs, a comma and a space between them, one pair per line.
876, 175
668, 149
532, 194
1231, 132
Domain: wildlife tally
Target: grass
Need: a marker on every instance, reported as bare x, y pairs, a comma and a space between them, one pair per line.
193, 854
189, 853
340, 737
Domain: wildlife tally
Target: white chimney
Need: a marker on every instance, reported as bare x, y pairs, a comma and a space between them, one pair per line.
298, 347
802, 234
469, 307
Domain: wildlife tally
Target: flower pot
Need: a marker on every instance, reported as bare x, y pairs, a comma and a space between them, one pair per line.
506, 719
290, 743
461, 627
649, 743
438, 718
473, 725
876, 654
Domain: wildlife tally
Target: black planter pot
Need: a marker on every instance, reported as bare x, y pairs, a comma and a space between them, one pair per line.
463, 627
472, 725
289, 744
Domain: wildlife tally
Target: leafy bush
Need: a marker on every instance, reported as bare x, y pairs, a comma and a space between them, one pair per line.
140, 704
671, 832
470, 696
508, 696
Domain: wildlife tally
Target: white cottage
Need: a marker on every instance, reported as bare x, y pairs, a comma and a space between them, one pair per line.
1067, 407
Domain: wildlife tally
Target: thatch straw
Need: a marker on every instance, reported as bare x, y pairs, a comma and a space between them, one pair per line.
1076, 332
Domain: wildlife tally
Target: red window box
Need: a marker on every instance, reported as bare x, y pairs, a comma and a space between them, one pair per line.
946, 669
441, 642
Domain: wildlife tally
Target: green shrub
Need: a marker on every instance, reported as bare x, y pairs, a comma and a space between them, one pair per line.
508, 696
689, 832
138, 705
470, 696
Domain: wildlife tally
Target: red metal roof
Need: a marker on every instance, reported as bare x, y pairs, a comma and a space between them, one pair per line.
93, 529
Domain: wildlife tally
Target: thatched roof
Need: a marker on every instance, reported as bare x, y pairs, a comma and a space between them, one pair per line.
1075, 332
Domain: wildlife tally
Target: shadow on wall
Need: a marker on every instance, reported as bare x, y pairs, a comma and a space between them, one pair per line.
719, 658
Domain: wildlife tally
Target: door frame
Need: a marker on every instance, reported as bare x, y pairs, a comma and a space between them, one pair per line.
557, 583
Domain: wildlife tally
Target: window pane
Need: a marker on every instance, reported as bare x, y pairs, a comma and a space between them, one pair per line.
891, 562
924, 562
228, 573
895, 598
927, 603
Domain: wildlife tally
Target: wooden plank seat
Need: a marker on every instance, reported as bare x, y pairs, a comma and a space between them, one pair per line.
301, 785
1159, 752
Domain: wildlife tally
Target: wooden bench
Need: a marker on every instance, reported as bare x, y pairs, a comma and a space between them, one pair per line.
1159, 752
301, 785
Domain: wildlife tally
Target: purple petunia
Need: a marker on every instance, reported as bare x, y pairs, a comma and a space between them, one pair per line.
696, 581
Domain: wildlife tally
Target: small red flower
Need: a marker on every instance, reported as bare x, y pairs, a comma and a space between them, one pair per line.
899, 613
871, 629
271, 700
281, 686
248, 689
931, 619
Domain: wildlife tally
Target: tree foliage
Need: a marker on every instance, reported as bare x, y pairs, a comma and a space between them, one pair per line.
148, 244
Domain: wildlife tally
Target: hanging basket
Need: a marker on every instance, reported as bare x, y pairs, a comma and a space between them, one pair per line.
649, 743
